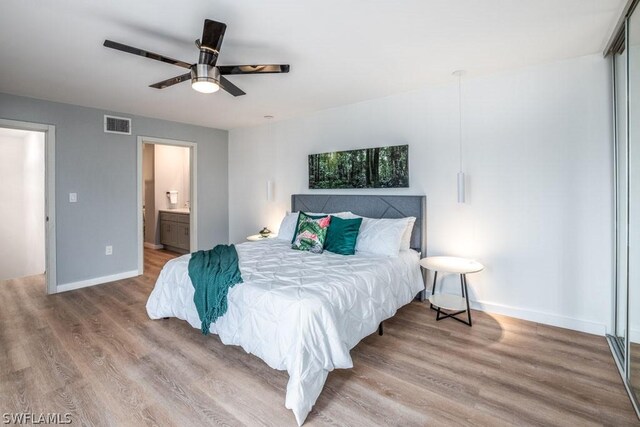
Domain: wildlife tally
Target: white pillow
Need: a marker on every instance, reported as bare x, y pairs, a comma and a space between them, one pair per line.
381, 236
405, 244
288, 226
343, 215
290, 220
347, 215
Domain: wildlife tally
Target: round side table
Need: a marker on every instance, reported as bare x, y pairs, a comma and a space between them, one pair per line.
454, 303
258, 237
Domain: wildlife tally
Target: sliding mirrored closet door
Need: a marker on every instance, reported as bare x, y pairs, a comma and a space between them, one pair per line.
633, 117
622, 200
625, 338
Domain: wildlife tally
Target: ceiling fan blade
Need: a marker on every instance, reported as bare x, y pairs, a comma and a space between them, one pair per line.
145, 53
253, 69
212, 35
230, 87
172, 81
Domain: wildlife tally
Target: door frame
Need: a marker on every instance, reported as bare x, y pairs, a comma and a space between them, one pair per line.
193, 190
49, 194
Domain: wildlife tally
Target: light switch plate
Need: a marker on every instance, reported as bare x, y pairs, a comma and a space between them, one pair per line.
108, 250
73, 197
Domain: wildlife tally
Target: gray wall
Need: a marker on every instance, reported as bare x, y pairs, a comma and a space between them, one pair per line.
101, 168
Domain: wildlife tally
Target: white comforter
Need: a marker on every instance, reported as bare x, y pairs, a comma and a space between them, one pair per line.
297, 311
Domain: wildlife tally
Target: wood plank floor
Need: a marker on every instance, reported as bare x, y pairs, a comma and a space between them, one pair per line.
94, 353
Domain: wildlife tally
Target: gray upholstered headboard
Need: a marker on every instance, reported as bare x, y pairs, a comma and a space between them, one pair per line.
373, 207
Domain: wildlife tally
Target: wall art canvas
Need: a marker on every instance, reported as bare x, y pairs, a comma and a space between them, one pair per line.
380, 167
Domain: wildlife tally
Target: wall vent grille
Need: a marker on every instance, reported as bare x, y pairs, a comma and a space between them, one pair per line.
120, 125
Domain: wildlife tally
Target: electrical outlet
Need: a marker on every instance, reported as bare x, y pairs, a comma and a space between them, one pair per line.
108, 250
73, 197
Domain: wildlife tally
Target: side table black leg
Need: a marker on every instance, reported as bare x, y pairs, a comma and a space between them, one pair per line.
433, 289
462, 285
466, 294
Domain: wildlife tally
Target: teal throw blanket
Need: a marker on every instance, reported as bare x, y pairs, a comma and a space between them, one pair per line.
212, 273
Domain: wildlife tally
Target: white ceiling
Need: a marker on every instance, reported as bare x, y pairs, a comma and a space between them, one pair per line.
340, 51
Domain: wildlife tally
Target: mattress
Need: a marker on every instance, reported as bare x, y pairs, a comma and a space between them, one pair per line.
297, 311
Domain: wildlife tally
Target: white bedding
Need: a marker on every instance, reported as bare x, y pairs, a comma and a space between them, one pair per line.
297, 311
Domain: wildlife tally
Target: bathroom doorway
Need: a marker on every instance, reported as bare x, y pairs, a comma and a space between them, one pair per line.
27, 223
167, 204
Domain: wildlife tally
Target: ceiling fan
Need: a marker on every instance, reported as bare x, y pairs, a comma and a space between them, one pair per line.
205, 75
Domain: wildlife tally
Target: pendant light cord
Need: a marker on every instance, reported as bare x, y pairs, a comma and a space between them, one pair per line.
461, 178
460, 118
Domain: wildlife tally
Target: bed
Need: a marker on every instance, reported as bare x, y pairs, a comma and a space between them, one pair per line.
303, 312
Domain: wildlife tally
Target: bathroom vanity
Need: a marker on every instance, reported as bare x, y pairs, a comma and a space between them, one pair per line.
174, 230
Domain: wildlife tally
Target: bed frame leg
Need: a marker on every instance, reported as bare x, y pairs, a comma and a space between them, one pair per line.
380, 329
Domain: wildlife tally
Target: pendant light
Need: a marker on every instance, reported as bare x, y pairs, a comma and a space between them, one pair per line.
461, 192
270, 182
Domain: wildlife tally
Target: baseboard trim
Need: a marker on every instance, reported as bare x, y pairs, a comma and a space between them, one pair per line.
96, 281
152, 245
542, 317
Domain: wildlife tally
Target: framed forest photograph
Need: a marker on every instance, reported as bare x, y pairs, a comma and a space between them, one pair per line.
380, 167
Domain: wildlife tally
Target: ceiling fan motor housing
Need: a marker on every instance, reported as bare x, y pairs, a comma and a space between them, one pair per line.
204, 73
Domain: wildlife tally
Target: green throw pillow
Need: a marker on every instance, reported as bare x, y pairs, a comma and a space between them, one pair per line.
342, 235
311, 233
295, 232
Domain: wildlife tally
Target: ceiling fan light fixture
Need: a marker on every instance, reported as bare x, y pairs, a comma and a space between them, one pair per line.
205, 78
205, 86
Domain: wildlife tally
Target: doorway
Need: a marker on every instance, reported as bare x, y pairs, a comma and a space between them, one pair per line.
167, 202
28, 220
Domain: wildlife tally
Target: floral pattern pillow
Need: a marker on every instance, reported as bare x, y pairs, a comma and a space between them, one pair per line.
312, 233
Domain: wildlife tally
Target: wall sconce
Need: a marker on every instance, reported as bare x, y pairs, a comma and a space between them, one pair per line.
460, 187
270, 191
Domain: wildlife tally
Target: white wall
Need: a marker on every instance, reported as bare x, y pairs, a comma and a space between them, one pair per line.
22, 227
34, 202
171, 171
537, 154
